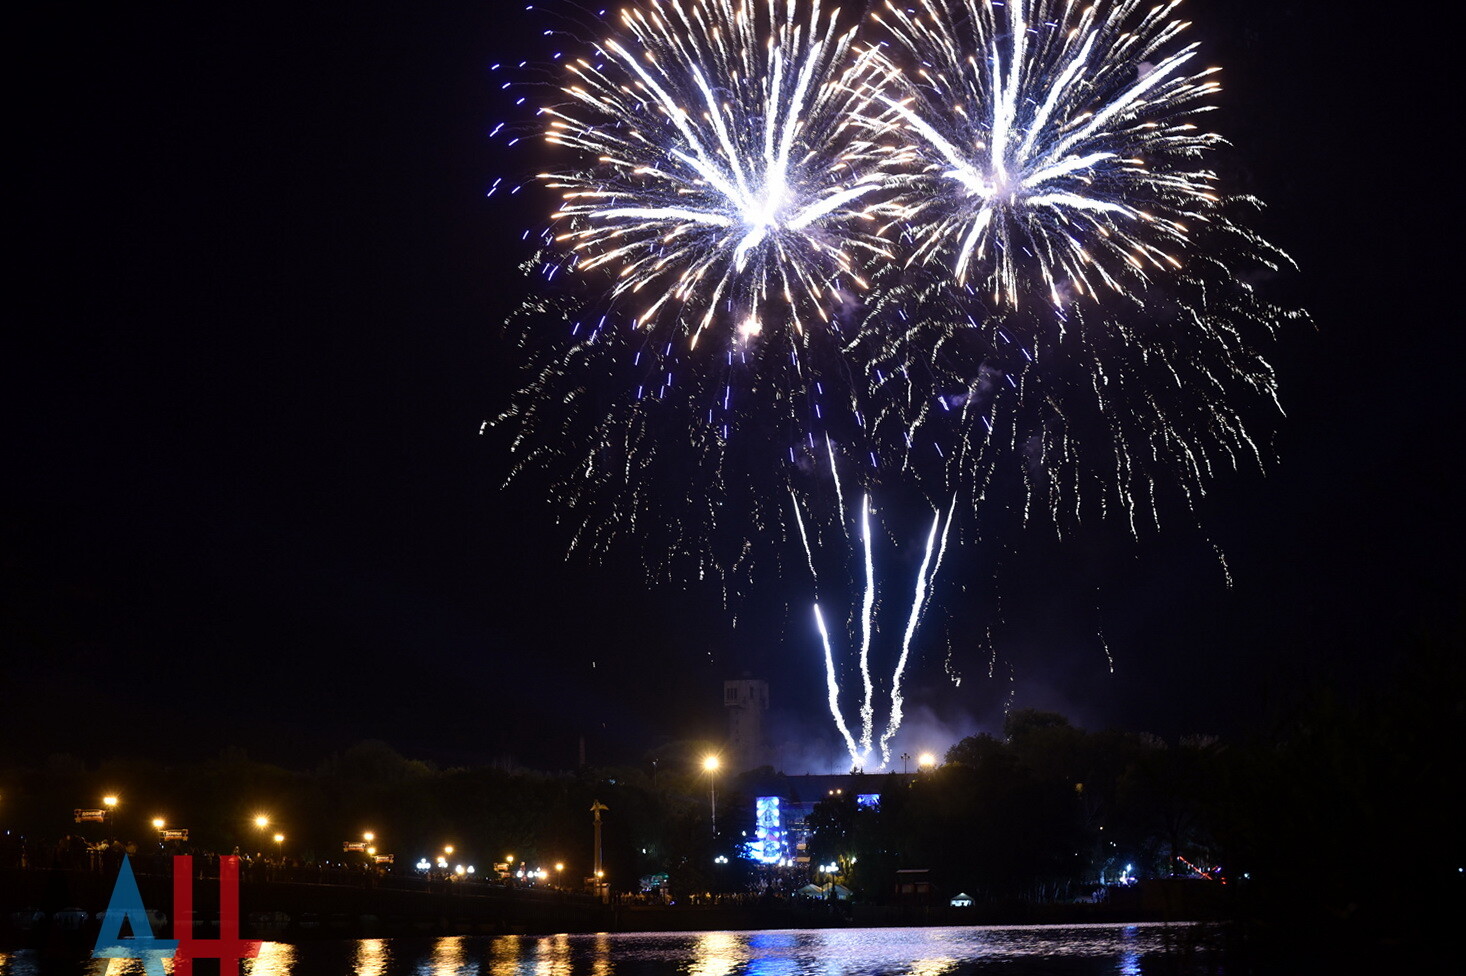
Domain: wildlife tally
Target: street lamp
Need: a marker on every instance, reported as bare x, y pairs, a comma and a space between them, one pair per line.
280, 847
159, 823
905, 758
711, 764
596, 808
926, 761
261, 821
110, 802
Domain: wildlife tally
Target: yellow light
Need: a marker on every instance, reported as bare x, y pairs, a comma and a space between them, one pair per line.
368, 836
262, 821
711, 764
109, 801
158, 823
926, 759
448, 849
279, 838
372, 851
559, 867
509, 858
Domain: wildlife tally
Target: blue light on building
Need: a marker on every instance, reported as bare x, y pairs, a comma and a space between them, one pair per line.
770, 843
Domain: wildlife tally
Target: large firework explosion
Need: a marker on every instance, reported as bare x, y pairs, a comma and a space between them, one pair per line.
1053, 144
981, 249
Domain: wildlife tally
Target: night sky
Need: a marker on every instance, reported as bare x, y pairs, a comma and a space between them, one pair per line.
259, 325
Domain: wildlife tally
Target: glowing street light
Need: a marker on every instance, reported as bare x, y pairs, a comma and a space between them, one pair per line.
368, 836
711, 764
159, 823
110, 802
262, 821
926, 761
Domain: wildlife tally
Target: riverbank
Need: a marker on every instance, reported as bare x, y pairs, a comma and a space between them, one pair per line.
39, 908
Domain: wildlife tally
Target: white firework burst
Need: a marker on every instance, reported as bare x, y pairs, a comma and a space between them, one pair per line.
729, 182
1053, 142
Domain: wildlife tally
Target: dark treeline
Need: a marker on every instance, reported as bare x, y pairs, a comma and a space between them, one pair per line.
1341, 812
1338, 817
657, 821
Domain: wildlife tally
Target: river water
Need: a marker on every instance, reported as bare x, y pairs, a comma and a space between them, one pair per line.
1030, 950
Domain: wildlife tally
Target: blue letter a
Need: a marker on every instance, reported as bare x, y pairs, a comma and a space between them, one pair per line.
127, 903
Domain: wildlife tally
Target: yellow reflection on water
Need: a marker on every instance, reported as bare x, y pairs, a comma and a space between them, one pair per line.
601, 963
371, 957
504, 953
716, 954
552, 956
275, 959
932, 967
449, 959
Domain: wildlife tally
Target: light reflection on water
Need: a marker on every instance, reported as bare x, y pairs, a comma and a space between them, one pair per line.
1081, 950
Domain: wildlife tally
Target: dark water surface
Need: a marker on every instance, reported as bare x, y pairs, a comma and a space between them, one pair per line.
1060, 950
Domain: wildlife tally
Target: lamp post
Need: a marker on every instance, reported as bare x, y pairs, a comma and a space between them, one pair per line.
280, 848
261, 821
711, 764
596, 806
109, 802
905, 758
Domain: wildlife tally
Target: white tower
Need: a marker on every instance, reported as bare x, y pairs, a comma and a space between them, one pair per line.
746, 700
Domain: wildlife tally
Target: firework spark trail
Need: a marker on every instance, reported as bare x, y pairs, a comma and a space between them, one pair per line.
918, 607
804, 538
936, 545
835, 477
832, 689
867, 607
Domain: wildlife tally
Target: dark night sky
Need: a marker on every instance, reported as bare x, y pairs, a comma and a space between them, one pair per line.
258, 327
